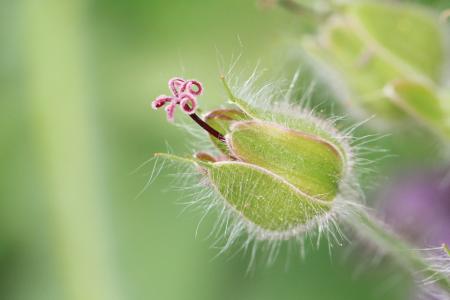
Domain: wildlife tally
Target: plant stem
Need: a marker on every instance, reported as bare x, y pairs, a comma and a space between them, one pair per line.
374, 231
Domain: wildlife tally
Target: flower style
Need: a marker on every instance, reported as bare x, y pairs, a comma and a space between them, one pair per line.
184, 93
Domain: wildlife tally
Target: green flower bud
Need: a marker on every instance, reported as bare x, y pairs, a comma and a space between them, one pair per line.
368, 46
279, 173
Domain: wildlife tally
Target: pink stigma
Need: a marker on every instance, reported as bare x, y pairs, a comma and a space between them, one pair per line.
184, 93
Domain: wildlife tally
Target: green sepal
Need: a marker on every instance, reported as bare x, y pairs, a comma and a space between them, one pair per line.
263, 198
244, 106
310, 163
299, 122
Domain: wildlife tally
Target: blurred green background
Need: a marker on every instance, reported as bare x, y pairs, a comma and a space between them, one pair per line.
76, 81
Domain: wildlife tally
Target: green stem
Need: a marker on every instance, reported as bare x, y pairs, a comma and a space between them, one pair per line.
374, 231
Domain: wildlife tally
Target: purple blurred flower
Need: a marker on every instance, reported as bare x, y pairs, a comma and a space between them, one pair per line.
417, 205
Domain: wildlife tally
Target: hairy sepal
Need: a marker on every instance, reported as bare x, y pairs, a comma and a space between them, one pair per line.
308, 162
264, 199
292, 118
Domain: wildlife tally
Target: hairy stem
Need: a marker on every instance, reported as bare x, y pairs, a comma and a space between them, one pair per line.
374, 231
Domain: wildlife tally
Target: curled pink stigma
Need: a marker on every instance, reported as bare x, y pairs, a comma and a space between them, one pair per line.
184, 93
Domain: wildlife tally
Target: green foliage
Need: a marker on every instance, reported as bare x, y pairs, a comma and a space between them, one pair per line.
369, 45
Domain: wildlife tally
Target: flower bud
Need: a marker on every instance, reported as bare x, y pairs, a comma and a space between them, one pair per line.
279, 173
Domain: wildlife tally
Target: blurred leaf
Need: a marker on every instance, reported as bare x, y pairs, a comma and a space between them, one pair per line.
407, 35
420, 102
353, 66
368, 45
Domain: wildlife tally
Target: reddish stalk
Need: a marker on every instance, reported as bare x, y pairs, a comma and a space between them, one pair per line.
208, 128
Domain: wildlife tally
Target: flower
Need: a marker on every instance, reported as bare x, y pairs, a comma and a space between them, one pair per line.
278, 172
417, 205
